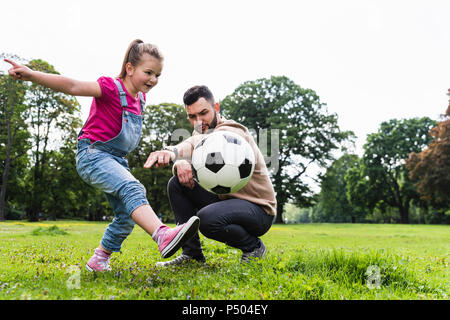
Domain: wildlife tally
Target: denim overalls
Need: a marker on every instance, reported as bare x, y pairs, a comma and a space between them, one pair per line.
103, 165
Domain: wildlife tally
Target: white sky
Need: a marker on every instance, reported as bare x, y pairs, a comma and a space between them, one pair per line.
369, 61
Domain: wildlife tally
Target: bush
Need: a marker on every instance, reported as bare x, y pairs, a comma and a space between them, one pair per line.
50, 231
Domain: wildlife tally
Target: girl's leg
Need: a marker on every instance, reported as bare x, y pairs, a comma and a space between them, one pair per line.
146, 218
116, 232
119, 229
103, 249
112, 175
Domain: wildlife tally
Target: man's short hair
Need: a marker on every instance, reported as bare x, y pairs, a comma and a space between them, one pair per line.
193, 94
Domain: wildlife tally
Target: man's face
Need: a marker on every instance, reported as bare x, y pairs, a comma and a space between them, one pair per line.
202, 115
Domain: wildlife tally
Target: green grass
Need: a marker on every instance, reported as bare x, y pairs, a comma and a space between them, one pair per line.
46, 260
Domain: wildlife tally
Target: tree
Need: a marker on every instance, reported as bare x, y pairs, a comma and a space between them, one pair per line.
65, 187
299, 131
358, 188
430, 168
13, 134
333, 203
293, 214
361, 195
51, 114
381, 178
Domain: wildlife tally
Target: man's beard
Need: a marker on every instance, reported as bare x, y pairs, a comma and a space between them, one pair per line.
210, 126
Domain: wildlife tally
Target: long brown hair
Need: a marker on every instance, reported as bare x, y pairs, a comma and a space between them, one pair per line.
134, 53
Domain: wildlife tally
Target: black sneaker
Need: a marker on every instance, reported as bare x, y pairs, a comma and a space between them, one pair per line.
258, 253
183, 258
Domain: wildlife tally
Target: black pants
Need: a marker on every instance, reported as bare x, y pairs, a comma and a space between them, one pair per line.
236, 222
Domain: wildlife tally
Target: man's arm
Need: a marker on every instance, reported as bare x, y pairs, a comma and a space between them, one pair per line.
183, 150
164, 157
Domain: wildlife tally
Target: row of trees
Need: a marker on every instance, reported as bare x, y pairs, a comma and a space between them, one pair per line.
293, 127
34, 120
405, 167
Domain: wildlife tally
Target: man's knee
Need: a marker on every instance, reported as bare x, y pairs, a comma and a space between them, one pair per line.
209, 224
173, 185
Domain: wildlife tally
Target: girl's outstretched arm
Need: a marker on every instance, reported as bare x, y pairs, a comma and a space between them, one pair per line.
54, 81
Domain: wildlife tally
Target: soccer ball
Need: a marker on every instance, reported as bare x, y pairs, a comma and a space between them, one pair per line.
223, 162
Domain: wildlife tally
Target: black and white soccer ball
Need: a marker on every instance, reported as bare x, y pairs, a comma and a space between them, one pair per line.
223, 162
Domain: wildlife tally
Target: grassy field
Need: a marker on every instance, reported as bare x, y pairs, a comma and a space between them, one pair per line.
46, 260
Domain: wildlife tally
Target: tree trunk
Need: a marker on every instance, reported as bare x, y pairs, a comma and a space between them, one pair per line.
404, 217
279, 218
33, 215
6, 171
53, 214
5, 176
404, 214
402, 207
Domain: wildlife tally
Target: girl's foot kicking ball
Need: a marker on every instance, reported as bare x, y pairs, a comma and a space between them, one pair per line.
169, 240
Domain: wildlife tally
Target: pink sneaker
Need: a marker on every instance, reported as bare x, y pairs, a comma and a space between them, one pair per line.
169, 240
99, 261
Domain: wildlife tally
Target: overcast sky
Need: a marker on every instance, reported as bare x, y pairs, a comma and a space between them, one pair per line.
369, 61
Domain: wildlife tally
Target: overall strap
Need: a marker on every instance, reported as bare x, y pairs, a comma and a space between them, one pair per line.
122, 94
141, 97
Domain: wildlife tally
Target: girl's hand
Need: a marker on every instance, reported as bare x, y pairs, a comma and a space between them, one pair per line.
19, 72
55, 81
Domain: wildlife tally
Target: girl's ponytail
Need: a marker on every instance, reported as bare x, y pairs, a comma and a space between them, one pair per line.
134, 53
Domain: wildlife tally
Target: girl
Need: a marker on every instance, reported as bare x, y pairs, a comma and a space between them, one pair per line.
112, 130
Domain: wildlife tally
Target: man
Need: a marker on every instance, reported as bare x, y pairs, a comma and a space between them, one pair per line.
237, 219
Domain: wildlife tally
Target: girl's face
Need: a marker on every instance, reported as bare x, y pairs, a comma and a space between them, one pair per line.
145, 75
